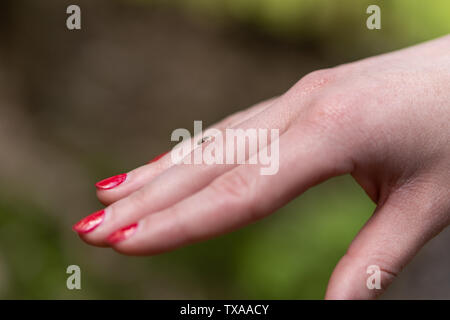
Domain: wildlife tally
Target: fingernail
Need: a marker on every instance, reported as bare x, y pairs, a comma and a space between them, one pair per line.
111, 182
158, 157
89, 223
122, 234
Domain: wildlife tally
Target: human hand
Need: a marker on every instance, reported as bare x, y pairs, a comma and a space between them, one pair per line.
384, 120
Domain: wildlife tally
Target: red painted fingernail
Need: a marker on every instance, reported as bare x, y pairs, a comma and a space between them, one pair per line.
122, 234
89, 223
111, 182
158, 157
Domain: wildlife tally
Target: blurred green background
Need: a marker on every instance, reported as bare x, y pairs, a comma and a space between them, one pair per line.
79, 106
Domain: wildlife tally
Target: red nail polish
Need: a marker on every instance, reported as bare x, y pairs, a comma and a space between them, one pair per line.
122, 234
89, 223
158, 157
111, 182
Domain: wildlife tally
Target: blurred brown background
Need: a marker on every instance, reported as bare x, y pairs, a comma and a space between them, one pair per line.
78, 106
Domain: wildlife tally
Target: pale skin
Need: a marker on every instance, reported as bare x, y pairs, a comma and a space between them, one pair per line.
385, 120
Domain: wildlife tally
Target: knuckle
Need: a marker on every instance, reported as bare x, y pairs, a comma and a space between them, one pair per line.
185, 232
138, 199
232, 185
386, 262
388, 273
321, 75
236, 190
335, 112
315, 80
